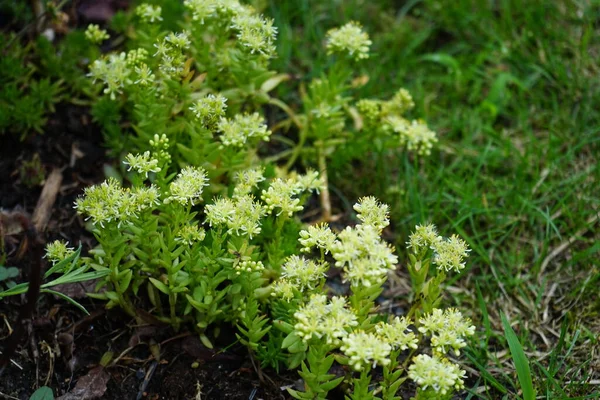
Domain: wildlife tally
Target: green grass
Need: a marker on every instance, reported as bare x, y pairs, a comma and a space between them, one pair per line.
514, 92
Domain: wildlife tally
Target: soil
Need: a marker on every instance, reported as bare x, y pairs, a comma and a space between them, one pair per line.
62, 346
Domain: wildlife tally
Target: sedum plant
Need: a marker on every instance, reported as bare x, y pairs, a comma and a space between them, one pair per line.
242, 259
351, 331
332, 117
197, 261
206, 232
202, 86
36, 76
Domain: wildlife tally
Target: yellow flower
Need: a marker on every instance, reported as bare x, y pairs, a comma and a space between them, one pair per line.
349, 39
365, 349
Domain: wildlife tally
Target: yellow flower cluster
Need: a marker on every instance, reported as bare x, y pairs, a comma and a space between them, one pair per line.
448, 253
190, 234
397, 333
436, 374
148, 13
188, 186
350, 40
364, 349
364, 257
302, 273
373, 213
241, 215
238, 131
320, 319
319, 236
109, 202
58, 251
142, 163
447, 328
210, 109
94, 34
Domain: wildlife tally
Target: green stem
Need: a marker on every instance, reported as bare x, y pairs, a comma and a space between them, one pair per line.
124, 301
297, 150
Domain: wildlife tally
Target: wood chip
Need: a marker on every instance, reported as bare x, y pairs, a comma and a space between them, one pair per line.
43, 209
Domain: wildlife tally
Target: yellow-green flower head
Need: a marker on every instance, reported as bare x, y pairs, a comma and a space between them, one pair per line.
305, 274
447, 329
319, 235
309, 182
145, 197
349, 40
201, 9
255, 33
283, 289
110, 202
247, 180
113, 71
245, 219
418, 137
424, 237
210, 109
396, 123
449, 253
160, 148
142, 163
94, 34
145, 76
136, 57
249, 266
334, 327
170, 51
321, 320
239, 130
188, 186
437, 375
58, 251
180, 40
231, 8
148, 13
397, 333
370, 111
372, 212
364, 349
399, 104
220, 212
281, 195
190, 234
241, 216
363, 256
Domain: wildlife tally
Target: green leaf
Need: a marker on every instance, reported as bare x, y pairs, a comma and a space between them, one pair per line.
290, 340
67, 298
273, 82
43, 393
160, 286
327, 386
520, 360
8, 273
297, 347
125, 280
443, 59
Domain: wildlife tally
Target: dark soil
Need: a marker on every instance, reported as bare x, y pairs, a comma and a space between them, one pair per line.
63, 346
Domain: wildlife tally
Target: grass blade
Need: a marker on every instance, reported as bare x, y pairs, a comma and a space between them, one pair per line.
520, 360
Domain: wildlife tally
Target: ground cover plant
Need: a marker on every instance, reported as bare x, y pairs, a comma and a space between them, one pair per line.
221, 123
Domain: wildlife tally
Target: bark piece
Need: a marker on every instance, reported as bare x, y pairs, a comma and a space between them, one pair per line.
43, 209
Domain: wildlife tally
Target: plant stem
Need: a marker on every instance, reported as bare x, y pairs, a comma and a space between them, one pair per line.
325, 199
297, 150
